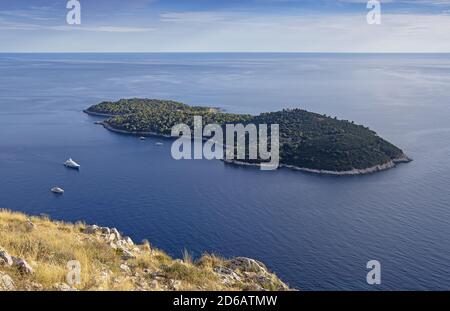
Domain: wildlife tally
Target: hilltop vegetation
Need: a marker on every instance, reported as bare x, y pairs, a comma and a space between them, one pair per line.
35, 251
315, 141
135, 105
307, 140
158, 116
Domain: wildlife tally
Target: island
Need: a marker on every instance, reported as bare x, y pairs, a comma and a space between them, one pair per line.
309, 141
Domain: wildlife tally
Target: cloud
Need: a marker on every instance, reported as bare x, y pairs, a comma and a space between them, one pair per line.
310, 33
119, 29
233, 30
197, 17
33, 13
52, 18
6, 25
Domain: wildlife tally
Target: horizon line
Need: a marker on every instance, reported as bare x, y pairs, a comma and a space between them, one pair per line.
211, 52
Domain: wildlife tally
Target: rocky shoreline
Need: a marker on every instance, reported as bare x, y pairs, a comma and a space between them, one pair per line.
377, 168
97, 114
370, 170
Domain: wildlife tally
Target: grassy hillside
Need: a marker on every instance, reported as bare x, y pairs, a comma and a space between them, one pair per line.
40, 250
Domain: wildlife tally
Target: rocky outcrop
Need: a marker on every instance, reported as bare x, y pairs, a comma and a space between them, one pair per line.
22, 266
114, 262
227, 275
247, 265
253, 272
63, 287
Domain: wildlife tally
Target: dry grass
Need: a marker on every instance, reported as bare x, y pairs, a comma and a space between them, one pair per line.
50, 245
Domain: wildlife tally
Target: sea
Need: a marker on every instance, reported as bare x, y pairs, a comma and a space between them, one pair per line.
316, 232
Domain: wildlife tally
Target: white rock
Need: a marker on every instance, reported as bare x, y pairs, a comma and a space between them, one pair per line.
112, 237
154, 284
247, 265
129, 241
105, 230
125, 268
63, 287
127, 255
22, 265
136, 250
92, 229
6, 283
116, 232
5, 258
227, 275
30, 225
175, 284
33, 286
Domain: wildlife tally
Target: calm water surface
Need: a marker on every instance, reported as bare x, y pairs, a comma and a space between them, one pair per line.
315, 232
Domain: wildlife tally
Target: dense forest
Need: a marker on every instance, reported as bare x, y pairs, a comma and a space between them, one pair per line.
307, 140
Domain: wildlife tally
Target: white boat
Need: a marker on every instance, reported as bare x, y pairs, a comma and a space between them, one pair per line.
72, 164
159, 144
57, 190
142, 138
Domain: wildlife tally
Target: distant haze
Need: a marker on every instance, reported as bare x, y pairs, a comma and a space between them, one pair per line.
231, 25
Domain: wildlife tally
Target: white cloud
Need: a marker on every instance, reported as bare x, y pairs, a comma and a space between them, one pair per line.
119, 29
319, 33
196, 17
7, 25
240, 31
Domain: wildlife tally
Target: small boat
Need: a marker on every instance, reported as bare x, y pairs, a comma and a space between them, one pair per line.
142, 138
159, 144
57, 190
72, 164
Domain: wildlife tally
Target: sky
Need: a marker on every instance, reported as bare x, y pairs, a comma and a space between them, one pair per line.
225, 26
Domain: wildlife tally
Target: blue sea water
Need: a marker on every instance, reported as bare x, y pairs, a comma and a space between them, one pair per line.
316, 232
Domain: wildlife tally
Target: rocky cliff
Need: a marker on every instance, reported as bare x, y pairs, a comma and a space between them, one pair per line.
37, 253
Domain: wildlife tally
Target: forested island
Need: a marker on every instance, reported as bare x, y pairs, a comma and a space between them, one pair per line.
308, 141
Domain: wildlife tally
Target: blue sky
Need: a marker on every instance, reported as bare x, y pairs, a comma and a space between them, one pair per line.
225, 25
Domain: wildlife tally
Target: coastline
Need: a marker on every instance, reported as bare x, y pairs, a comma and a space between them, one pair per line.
98, 114
112, 129
354, 172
